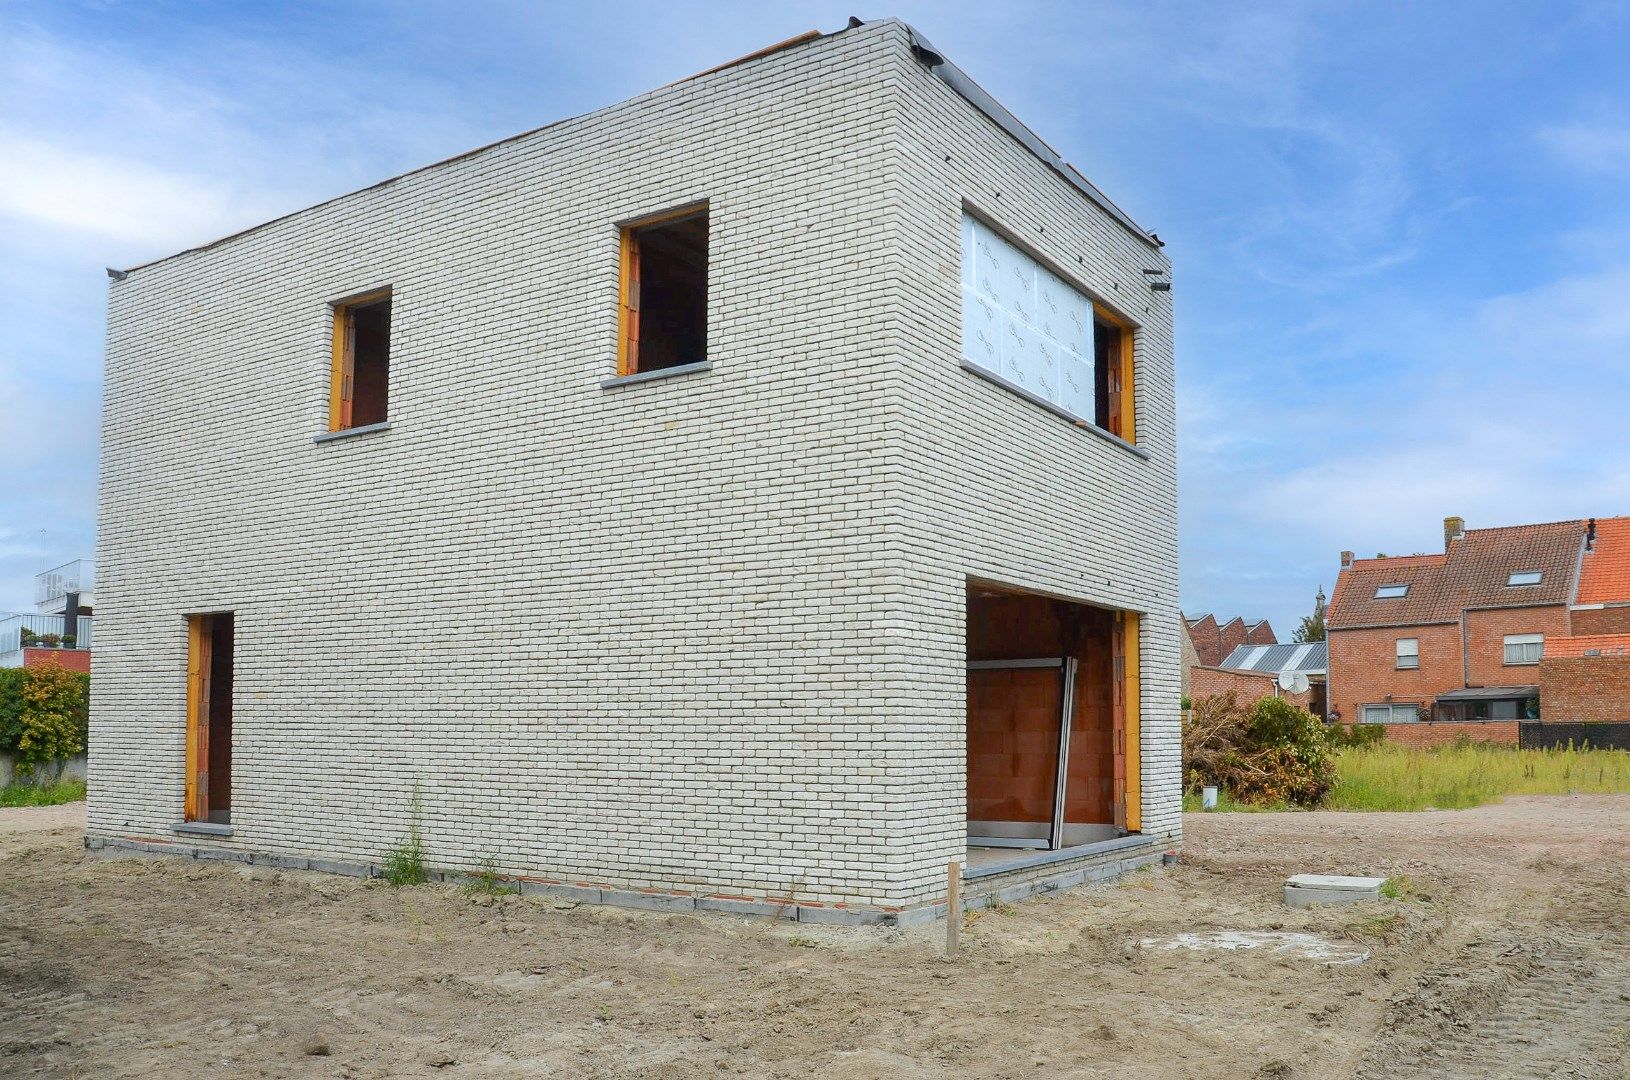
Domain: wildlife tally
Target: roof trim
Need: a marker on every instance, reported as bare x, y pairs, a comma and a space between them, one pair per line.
979, 98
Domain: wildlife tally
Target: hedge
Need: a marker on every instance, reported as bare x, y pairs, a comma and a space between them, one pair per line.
44, 714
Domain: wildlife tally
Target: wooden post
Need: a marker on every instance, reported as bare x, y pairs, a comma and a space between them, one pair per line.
953, 906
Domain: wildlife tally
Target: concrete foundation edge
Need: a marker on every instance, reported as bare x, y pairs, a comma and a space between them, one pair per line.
1000, 888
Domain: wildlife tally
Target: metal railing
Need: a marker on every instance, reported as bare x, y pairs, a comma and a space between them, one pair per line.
18, 632
78, 576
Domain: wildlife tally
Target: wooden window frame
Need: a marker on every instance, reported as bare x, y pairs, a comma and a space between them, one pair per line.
628, 278
342, 369
1123, 409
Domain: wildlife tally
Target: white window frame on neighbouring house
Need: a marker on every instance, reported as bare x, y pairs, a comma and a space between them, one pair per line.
1524, 577
1393, 714
1408, 653
1524, 649
1391, 592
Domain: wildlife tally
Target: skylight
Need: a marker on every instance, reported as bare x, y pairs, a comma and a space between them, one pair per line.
1391, 592
1525, 577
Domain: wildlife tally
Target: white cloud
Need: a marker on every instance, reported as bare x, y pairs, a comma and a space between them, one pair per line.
119, 199
1600, 148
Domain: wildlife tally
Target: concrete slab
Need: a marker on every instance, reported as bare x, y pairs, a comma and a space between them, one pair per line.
1313, 890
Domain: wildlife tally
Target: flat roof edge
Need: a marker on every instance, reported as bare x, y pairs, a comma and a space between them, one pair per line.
979, 98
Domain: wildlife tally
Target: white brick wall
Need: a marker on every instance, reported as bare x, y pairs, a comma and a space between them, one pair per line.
697, 633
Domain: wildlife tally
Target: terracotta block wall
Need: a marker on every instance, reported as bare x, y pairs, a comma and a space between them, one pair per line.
73, 659
1364, 668
1584, 689
1485, 635
1612, 620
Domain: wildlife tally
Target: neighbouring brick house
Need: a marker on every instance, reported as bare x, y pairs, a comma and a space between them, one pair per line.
1460, 636
1213, 640
1586, 679
750, 496
1254, 672
1602, 603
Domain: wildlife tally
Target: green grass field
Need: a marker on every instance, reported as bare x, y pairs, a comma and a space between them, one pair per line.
64, 791
1390, 777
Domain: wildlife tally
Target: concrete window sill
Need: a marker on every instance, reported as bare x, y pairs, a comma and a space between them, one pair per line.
652, 376
349, 433
201, 828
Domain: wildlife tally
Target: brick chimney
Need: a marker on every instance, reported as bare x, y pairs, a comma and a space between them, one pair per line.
1453, 529
1346, 559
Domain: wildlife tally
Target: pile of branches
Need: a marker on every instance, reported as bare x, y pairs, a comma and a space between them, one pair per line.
1267, 753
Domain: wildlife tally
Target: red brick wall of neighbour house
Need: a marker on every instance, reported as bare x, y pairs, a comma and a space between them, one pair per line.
1612, 620
1424, 735
1364, 667
1248, 686
1262, 634
1485, 638
1584, 689
72, 659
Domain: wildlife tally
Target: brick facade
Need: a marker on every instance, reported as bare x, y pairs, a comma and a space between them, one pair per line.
703, 633
72, 659
1249, 687
1585, 689
1602, 620
1364, 668
1485, 637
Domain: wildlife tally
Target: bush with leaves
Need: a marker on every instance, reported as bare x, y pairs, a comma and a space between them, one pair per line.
49, 721
1270, 752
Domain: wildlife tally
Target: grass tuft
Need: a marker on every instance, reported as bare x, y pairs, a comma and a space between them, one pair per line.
404, 863
487, 881
63, 791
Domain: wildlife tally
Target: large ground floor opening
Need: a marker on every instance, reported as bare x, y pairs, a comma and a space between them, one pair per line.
1052, 725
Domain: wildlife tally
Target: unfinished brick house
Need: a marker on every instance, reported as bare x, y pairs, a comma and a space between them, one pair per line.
752, 496
1459, 636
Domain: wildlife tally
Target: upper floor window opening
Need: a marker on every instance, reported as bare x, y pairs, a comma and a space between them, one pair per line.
1037, 333
359, 393
664, 291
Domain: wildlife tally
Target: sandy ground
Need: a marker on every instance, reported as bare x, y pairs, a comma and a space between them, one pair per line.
1511, 958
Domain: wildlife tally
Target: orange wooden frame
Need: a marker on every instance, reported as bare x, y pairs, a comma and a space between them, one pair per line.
1123, 412
342, 370
199, 644
628, 282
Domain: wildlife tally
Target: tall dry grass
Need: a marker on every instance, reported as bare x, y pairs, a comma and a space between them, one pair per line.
1392, 777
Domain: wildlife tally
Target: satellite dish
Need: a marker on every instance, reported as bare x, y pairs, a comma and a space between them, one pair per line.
1293, 682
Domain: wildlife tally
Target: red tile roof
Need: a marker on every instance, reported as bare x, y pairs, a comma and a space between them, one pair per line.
1588, 645
1472, 573
1604, 575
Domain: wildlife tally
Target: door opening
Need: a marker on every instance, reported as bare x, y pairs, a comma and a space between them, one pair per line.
1051, 721
209, 718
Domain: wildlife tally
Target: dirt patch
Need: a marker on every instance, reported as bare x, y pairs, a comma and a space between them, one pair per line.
1509, 957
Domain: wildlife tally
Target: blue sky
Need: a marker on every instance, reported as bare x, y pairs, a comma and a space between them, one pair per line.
1401, 232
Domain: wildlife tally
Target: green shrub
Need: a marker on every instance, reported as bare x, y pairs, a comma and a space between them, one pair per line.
1271, 752
51, 717
11, 707
1351, 736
